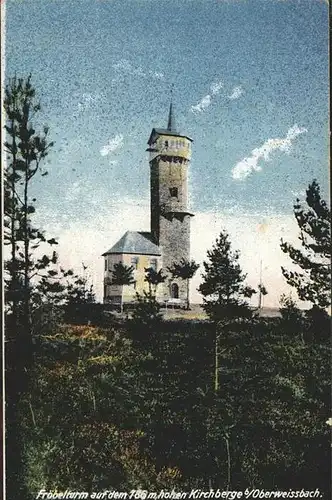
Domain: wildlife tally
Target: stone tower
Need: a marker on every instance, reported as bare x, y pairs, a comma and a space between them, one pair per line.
170, 154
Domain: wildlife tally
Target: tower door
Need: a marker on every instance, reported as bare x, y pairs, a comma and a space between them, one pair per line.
174, 291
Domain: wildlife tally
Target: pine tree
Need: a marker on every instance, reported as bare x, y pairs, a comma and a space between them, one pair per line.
184, 270
26, 148
262, 292
79, 297
153, 278
223, 286
122, 275
146, 317
313, 282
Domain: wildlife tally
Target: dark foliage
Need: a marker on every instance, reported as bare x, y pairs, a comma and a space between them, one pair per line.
153, 278
313, 282
223, 287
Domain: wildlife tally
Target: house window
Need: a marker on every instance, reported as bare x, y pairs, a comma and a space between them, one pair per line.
166, 144
153, 264
134, 262
106, 264
173, 192
174, 291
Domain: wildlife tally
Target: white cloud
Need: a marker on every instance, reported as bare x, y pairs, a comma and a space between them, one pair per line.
206, 101
216, 87
202, 105
250, 164
113, 144
125, 66
236, 93
256, 236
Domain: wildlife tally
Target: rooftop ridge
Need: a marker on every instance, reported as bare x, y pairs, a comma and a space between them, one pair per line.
135, 242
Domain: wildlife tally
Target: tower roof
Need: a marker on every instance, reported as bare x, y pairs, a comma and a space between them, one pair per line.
134, 242
171, 119
171, 127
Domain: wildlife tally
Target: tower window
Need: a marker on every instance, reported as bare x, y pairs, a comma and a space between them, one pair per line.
106, 264
173, 192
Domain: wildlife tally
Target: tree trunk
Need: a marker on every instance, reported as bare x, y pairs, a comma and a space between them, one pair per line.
121, 300
228, 462
216, 365
13, 271
26, 304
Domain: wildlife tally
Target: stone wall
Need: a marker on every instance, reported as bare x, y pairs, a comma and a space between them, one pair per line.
174, 242
170, 222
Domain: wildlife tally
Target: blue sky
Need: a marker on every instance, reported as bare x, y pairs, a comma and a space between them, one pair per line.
250, 87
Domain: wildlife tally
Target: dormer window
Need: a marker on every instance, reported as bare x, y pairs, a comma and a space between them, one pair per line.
173, 192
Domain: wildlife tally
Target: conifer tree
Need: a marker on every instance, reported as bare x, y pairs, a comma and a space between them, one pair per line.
79, 297
224, 291
313, 281
26, 148
223, 286
153, 278
122, 275
262, 292
146, 315
184, 270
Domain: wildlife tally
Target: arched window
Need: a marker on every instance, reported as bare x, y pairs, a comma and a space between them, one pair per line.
174, 291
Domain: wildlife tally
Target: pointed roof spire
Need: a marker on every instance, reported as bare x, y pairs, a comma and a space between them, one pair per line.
171, 118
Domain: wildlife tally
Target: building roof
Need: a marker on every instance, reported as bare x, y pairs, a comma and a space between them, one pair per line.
165, 131
171, 128
134, 242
